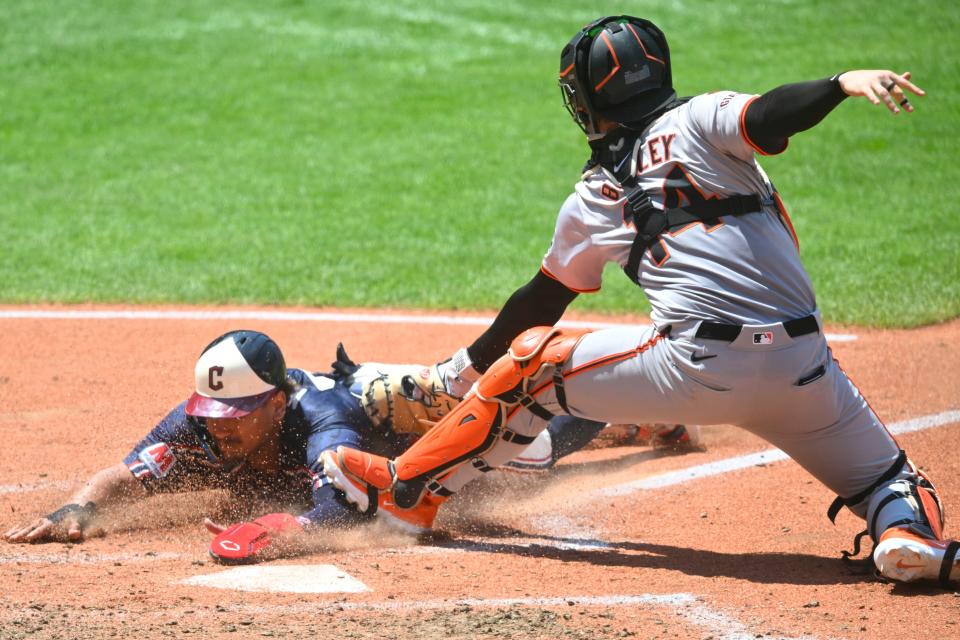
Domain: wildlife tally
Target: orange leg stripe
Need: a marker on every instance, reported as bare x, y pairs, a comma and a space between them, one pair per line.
882, 424
611, 359
617, 357
786, 219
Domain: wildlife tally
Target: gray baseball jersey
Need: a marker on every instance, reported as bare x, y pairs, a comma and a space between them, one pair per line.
745, 270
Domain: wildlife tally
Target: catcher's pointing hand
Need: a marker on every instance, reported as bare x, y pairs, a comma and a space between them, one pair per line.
880, 85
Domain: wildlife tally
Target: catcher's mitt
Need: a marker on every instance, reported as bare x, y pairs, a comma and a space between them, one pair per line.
407, 398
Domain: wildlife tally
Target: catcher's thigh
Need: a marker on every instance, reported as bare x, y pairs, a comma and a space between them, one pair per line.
820, 419
629, 375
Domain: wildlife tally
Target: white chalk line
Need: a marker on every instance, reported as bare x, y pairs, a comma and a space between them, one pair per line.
35, 486
766, 456
684, 605
560, 532
573, 536
718, 623
373, 317
576, 537
85, 558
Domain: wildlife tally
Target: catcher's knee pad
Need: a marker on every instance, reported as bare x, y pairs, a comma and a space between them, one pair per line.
510, 378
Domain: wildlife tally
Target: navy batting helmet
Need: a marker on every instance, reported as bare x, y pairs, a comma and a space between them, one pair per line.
617, 68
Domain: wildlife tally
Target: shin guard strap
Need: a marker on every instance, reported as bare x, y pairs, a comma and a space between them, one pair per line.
849, 555
558, 387
438, 489
947, 566
373, 500
894, 495
481, 465
536, 408
889, 474
516, 438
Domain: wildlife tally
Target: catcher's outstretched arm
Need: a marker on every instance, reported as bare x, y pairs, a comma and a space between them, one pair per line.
540, 302
107, 487
791, 108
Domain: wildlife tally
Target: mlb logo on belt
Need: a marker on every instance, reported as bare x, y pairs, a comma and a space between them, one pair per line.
159, 459
763, 337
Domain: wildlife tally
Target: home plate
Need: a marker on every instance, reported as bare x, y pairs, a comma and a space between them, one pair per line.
312, 578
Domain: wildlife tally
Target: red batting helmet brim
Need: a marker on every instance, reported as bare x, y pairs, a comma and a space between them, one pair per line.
206, 407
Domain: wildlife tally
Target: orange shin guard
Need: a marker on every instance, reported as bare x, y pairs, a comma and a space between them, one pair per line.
366, 467
468, 430
474, 425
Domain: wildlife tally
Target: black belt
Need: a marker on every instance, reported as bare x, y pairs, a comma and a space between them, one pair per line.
730, 332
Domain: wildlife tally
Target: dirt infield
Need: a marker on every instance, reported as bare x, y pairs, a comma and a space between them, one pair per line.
741, 554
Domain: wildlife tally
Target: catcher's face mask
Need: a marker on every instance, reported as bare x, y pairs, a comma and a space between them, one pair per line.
616, 67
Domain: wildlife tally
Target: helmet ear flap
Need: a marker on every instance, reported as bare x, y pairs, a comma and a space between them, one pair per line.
572, 81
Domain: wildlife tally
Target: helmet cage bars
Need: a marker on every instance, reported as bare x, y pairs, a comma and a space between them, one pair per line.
578, 95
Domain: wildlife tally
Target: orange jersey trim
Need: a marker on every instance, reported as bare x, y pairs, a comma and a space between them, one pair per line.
746, 137
547, 273
786, 219
613, 358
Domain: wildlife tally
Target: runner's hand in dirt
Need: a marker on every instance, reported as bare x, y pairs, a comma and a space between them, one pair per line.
108, 487
67, 523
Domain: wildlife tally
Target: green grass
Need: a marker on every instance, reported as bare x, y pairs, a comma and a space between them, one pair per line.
414, 152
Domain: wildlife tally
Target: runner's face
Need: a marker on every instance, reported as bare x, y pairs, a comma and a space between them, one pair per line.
240, 437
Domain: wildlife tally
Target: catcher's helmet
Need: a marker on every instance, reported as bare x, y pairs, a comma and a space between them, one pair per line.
616, 67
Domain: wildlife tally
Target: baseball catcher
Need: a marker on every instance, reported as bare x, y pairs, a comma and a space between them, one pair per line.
673, 194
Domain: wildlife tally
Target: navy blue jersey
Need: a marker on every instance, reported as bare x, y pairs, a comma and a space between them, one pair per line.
180, 455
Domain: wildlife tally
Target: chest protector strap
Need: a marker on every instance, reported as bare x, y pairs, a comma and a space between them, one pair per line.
650, 221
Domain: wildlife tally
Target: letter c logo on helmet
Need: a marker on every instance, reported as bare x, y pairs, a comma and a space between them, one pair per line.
217, 384
616, 68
